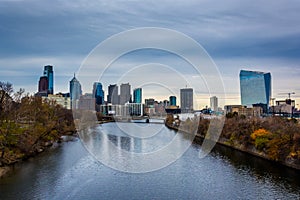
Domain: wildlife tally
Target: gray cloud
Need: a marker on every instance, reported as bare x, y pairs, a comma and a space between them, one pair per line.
247, 33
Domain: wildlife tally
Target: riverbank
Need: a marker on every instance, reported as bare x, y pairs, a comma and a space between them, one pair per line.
199, 139
5, 169
251, 151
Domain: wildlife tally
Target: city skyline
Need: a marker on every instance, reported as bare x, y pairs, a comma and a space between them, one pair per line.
236, 36
251, 82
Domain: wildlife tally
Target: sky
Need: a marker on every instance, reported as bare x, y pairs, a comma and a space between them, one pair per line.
252, 35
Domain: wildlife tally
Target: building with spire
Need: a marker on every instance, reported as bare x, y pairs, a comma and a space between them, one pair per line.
75, 92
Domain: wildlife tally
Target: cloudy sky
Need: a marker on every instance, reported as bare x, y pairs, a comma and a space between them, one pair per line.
254, 35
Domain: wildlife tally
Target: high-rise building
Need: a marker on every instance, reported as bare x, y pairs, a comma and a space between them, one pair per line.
75, 92
43, 86
172, 100
137, 95
255, 87
48, 72
125, 95
112, 96
186, 100
98, 93
214, 103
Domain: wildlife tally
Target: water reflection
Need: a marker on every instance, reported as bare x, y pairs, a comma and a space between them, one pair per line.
69, 172
100, 138
114, 147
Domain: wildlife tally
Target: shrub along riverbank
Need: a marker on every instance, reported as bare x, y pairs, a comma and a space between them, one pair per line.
273, 138
29, 125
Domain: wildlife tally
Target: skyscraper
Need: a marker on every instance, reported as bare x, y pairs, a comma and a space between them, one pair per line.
137, 95
43, 86
255, 87
186, 100
98, 93
112, 96
214, 103
48, 72
75, 92
125, 95
172, 100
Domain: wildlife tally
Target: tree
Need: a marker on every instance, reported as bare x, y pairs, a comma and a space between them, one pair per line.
6, 90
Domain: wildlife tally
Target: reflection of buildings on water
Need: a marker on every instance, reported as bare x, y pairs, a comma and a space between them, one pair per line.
129, 144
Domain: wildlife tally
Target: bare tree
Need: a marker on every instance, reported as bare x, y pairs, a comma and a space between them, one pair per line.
6, 90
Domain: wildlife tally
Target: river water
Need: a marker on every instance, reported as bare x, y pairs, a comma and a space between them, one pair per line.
69, 171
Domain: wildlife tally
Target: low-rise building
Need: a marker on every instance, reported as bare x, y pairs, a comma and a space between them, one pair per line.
243, 110
60, 99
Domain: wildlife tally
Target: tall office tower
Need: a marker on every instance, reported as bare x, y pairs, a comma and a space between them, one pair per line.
172, 100
137, 95
214, 103
75, 92
43, 86
255, 87
98, 93
186, 100
48, 72
112, 96
125, 95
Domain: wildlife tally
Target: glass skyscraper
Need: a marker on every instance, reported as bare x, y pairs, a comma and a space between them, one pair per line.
137, 95
75, 92
186, 100
255, 87
172, 100
48, 72
98, 93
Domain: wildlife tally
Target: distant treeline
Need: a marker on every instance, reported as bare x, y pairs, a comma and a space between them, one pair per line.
28, 124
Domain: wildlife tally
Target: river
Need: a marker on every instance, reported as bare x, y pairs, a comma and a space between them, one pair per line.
69, 171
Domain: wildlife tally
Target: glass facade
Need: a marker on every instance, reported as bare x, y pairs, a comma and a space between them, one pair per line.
172, 100
48, 72
137, 95
98, 93
255, 87
75, 92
